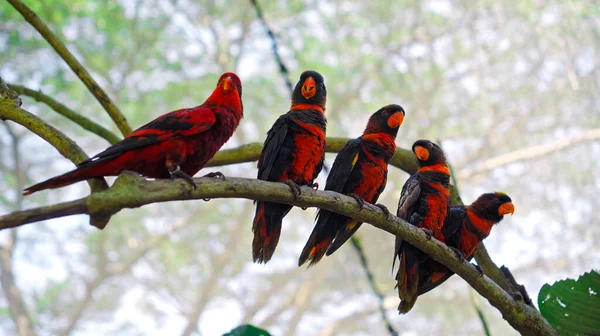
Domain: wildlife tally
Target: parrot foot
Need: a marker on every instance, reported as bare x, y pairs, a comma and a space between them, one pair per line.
294, 188
178, 173
428, 233
517, 296
385, 210
459, 255
359, 200
315, 186
215, 175
480, 270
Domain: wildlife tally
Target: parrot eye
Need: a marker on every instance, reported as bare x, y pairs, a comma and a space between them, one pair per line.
495, 200
430, 145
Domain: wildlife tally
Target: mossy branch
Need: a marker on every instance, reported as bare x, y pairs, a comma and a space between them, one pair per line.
403, 158
74, 64
77, 118
10, 110
132, 191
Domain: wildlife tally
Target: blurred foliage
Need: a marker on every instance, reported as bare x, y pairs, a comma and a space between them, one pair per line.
485, 77
480, 315
573, 306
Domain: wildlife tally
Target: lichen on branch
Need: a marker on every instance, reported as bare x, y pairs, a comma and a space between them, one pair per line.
61, 109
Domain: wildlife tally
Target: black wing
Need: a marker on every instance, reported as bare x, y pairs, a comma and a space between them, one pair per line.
409, 196
275, 138
342, 166
452, 229
336, 180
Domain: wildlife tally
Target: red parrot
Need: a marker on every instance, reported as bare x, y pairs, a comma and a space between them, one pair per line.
293, 153
176, 145
359, 170
424, 202
465, 227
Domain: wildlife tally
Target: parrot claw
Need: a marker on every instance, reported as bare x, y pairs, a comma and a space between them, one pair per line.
315, 186
459, 255
480, 270
206, 199
385, 210
428, 233
294, 187
517, 296
215, 175
359, 200
178, 173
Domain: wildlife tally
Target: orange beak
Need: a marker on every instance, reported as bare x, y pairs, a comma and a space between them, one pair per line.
396, 120
227, 84
506, 208
309, 88
422, 153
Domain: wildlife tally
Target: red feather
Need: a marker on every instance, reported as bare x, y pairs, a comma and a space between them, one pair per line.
187, 138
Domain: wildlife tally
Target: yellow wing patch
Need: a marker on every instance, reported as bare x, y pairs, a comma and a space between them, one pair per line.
354, 160
351, 224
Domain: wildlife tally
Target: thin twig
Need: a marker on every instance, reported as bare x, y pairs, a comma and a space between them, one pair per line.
371, 280
65, 146
111, 270
19, 312
77, 118
520, 288
74, 64
282, 68
529, 153
132, 191
9, 110
219, 261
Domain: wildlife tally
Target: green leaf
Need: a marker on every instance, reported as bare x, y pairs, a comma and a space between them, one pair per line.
247, 330
572, 307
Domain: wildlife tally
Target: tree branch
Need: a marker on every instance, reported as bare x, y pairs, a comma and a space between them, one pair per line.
389, 302
487, 264
9, 110
403, 158
132, 191
112, 270
65, 146
18, 309
371, 280
77, 118
529, 153
490, 268
74, 64
218, 262
19, 312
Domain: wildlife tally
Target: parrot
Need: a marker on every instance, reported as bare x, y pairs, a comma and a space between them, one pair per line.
293, 153
465, 227
424, 202
360, 171
175, 145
